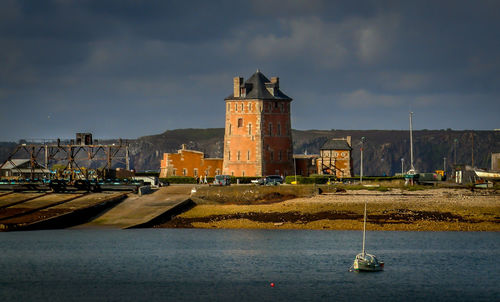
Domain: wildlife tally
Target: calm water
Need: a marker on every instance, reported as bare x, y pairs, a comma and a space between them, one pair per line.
229, 265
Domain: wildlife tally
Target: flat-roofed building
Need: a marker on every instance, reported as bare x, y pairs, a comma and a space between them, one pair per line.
189, 163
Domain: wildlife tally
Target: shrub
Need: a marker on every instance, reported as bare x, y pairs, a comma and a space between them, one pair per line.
180, 179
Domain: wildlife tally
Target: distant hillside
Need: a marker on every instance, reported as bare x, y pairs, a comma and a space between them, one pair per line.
382, 152
383, 148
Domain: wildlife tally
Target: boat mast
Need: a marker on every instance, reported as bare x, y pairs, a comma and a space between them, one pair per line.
364, 232
412, 169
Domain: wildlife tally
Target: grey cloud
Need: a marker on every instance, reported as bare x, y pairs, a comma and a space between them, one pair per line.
165, 64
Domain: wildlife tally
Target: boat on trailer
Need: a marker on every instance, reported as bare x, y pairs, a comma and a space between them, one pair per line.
367, 262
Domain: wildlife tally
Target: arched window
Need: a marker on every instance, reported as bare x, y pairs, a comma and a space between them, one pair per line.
240, 122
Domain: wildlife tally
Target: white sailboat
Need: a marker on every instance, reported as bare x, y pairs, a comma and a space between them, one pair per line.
364, 261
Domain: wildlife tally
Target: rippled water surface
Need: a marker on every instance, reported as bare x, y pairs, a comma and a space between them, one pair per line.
239, 265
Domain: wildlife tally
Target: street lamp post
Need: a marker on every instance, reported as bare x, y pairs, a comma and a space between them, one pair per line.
412, 169
402, 166
361, 165
295, 169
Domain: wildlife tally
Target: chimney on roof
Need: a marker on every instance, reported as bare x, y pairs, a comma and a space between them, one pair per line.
276, 82
349, 140
237, 81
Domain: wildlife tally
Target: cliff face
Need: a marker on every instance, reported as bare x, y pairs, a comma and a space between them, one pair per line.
383, 149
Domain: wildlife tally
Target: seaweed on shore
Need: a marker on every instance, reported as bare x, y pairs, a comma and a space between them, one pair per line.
400, 216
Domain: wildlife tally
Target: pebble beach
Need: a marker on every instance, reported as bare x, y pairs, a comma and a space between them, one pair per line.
441, 209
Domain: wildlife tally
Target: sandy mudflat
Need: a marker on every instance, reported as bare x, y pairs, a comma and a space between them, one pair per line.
423, 210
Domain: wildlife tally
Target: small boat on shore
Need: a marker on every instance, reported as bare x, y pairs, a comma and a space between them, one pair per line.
488, 175
367, 262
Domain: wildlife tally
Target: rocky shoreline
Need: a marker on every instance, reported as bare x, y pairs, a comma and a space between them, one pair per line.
394, 210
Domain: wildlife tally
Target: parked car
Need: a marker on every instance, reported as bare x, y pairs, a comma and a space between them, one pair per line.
259, 181
273, 180
222, 180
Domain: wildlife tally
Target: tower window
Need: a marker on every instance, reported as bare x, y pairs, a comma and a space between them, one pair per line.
279, 156
229, 129
249, 129
240, 122
272, 155
238, 156
248, 155
270, 129
250, 107
275, 104
279, 129
235, 107
229, 155
241, 106
184, 172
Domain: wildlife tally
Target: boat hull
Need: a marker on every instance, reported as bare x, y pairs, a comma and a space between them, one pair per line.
367, 268
367, 263
488, 175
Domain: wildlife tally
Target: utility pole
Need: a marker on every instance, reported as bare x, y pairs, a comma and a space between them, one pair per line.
472, 145
127, 159
455, 149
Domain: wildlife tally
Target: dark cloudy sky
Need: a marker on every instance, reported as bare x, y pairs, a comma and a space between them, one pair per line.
131, 68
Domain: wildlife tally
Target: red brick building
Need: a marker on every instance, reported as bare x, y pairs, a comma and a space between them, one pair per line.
189, 163
258, 137
306, 164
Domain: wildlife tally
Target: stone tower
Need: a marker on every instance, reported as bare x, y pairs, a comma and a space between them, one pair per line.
258, 132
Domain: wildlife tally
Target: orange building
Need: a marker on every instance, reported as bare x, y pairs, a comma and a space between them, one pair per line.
335, 158
258, 136
189, 163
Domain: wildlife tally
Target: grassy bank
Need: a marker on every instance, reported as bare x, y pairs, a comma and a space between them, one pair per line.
393, 209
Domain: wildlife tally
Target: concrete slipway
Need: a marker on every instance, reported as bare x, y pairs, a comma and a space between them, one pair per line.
147, 210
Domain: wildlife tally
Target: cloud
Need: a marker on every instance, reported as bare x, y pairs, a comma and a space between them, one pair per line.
376, 36
364, 99
172, 62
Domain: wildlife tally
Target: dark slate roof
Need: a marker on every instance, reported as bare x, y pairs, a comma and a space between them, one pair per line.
256, 89
336, 144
